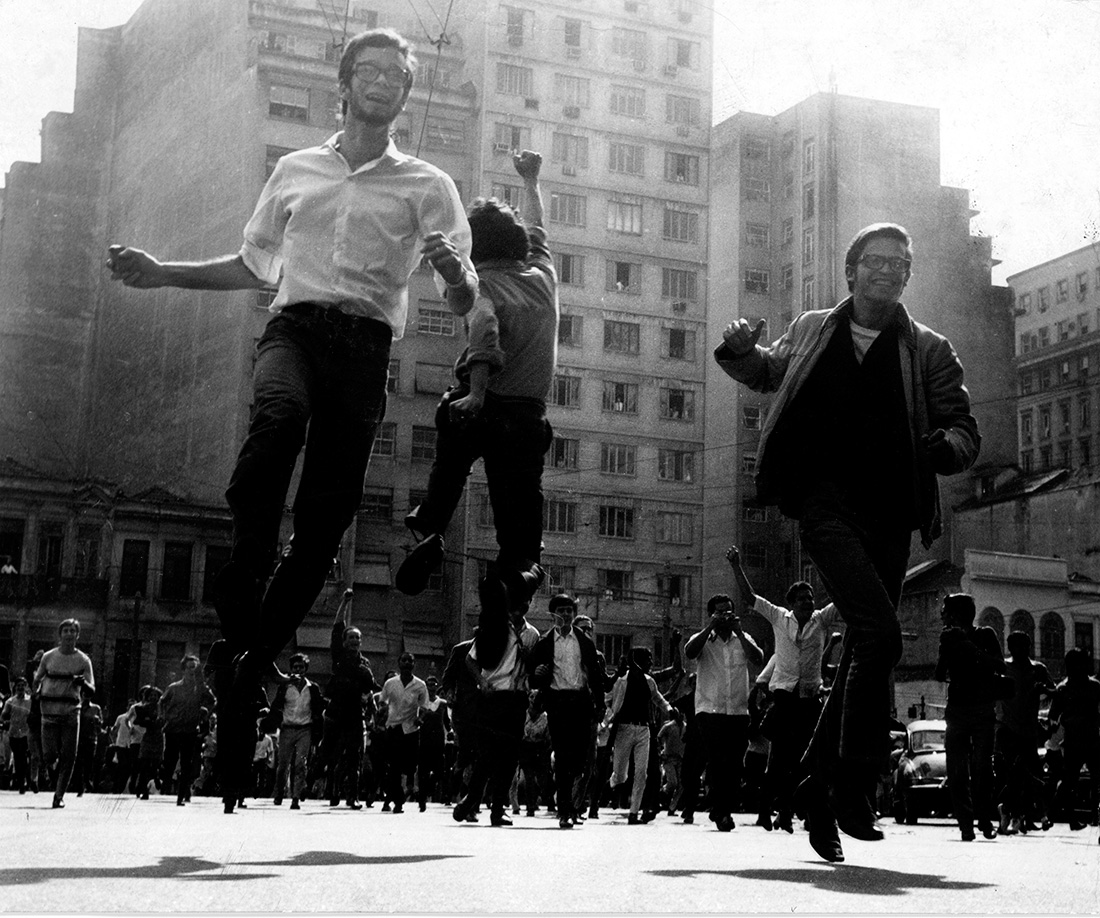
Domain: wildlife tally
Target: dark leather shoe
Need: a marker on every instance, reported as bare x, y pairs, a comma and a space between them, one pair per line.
565, 823
785, 823
824, 838
967, 833
853, 813
412, 575
764, 821
499, 819
725, 823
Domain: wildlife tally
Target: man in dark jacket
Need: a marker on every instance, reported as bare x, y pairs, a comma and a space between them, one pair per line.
343, 732
564, 663
970, 659
881, 399
182, 707
300, 708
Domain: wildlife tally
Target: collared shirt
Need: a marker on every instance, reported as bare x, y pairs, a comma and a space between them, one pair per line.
508, 673
297, 708
568, 673
351, 238
797, 651
404, 702
722, 677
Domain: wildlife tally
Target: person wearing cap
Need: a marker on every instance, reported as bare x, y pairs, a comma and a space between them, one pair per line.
565, 665
881, 398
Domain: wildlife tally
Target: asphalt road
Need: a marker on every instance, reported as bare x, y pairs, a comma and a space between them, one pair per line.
115, 854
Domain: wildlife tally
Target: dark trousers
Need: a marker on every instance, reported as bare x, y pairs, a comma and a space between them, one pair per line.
791, 724
511, 437
402, 750
319, 380
429, 768
862, 563
294, 743
1077, 752
968, 742
60, 739
725, 738
19, 757
1019, 772
569, 715
342, 750
501, 715
185, 748
694, 761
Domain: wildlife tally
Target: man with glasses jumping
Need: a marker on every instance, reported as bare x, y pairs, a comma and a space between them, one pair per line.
879, 400
339, 229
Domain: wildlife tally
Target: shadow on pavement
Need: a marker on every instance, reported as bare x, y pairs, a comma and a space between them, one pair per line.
195, 868
841, 878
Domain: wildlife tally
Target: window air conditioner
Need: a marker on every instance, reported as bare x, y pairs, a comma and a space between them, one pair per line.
671, 70
572, 111
568, 169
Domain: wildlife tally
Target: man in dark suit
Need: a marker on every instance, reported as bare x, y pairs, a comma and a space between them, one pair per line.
564, 664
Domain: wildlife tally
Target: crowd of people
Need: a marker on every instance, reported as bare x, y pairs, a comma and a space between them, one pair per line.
868, 409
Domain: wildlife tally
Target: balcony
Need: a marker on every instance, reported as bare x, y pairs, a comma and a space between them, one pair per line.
45, 589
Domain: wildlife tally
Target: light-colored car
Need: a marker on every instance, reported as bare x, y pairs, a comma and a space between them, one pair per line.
920, 781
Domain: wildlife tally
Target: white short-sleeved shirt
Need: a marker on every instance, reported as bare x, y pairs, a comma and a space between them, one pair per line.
797, 653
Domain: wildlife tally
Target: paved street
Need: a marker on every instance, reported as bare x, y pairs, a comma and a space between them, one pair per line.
106, 853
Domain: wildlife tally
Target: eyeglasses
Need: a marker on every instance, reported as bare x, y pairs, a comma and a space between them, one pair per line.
395, 76
878, 262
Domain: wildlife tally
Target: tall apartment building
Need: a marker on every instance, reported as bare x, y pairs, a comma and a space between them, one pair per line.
179, 117
787, 195
1057, 309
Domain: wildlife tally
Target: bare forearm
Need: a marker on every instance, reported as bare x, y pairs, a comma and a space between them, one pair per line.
532, 203
226, 273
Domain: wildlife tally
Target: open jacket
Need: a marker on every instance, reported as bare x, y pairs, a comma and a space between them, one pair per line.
932, 379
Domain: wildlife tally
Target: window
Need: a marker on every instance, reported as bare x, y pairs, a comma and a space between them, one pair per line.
377, 503
1061, 291
1025, 303
393, 374
616, 585
50, 542
133, 574
1064, 371
1064, 417
675, 465
1025, 427
624, 214
1082, 283
682, 53
432, 378
1026, 462
682, 168
1046, 458
1044, 299
1046, 377
807, 246
677, 344
628, 101
754, 554
484, 510
86, 561
1062, 329
566, 391
756, 235
423, 444
753, 513
683, 110
1083, 367
673, 528
629, 44
755, 147
808, 293
569, 331
513, 80
809, 156
559, 515
786, 281
750, 417
678, 284
616, 522
175, 580
748, 463
560, 578
570, 268
445, 133
681, 224
756, 280
788, 185
569, 149
511, 137
617, 459
272, 157
621, 337
757, 189
808, 202
626, 158
572, 90
217, 557
624, 277
572, 32
434, 320
1044, 336
787, 231
1044, 422
674, 589
678, 404
288, 102
1084, 452
1082, 323
365, 13
570, 209
564, 453
620, 397
515, 29
385, 440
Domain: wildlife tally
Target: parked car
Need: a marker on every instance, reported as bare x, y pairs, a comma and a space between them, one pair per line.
920, 780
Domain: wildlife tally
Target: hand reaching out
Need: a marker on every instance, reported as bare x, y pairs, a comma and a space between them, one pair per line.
741, 339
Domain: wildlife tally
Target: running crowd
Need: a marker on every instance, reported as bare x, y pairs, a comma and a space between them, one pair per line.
868, 409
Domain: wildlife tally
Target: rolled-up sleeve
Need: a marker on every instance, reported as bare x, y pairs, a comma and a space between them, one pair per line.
263, 235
